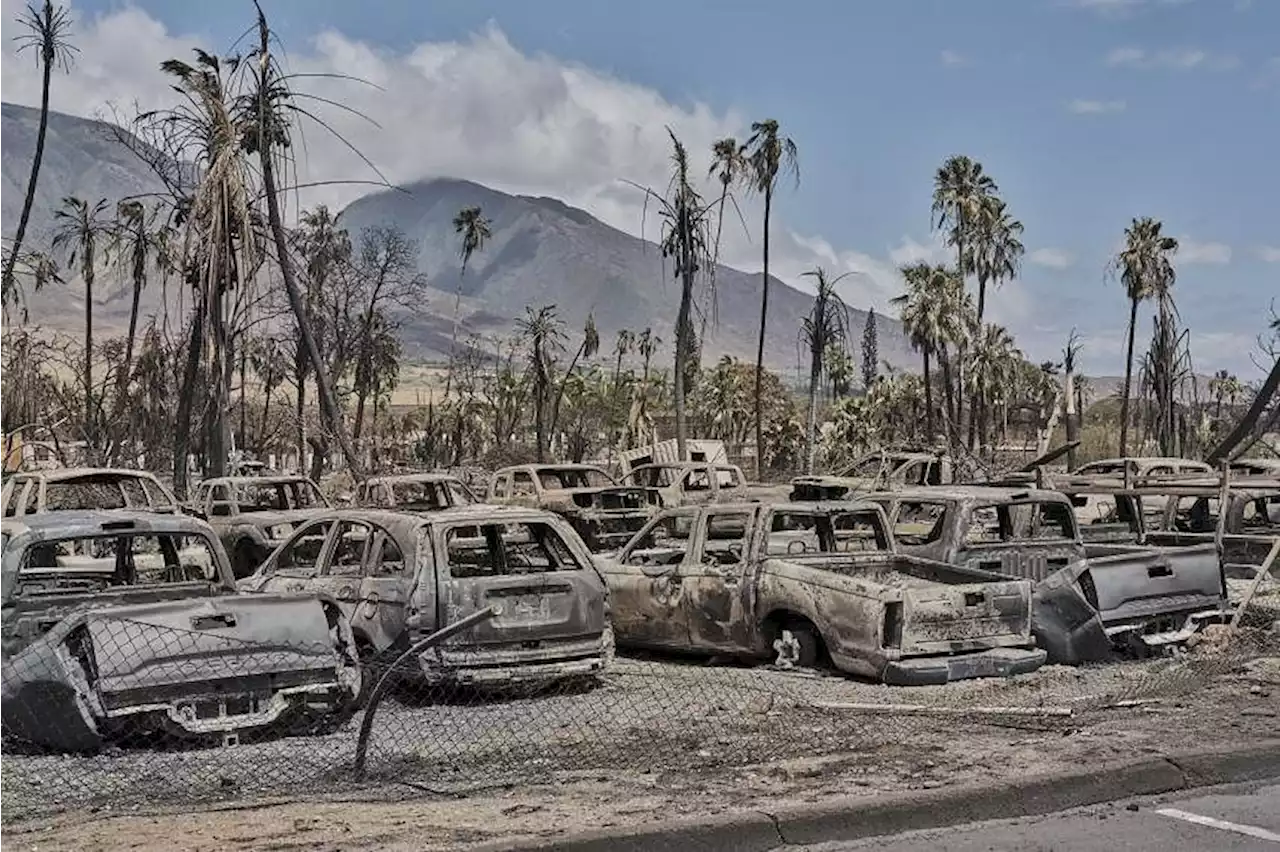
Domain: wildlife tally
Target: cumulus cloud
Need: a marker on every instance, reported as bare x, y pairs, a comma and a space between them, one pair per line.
952, 58
934, 250
1053, 258
1269, 254
1087, 107
1185, 59
1194, 251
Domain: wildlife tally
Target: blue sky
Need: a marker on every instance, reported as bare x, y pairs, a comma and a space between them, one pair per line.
1086, 112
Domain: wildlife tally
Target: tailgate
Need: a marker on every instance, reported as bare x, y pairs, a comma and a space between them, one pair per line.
942, 618
528, 608
229, 637
1154, 582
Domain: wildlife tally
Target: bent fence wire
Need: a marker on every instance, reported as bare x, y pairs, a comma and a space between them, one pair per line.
69, 746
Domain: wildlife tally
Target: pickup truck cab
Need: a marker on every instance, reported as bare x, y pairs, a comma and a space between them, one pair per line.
736, 578
1144, 596
400, 576
696, 483
1194, 515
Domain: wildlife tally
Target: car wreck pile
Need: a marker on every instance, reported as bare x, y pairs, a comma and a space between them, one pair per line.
259, 610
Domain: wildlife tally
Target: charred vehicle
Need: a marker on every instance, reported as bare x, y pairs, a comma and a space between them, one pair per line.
1142, 597
604, 513
1243, 526
401, 576
414, 492
1256, 467
738, 578
697, 483
254, 514
1143, 466
120, 624
876, 472
84, 489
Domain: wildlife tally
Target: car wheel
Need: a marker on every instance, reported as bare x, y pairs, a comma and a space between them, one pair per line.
808, 644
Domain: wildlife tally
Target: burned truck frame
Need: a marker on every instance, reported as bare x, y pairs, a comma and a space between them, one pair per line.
119, 624
826, 578
1143, 597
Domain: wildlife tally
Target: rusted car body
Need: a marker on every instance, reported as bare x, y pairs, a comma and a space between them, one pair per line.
604, 513
414, 492
876, 472
254, 514
736, 578
85, 489
400, 576
1142, 597
698, 483
114, 626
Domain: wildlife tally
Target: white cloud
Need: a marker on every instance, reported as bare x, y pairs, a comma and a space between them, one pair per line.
1183, 59
1193, 251
953, 59
1054, 258
1121, 8
1269, 254
909, 251
1087, 107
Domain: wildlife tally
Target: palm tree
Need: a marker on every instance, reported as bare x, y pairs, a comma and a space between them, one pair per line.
729, 165
827, 325
920, 312
990, 372
1069, 387
46, 33
136, 238
767, 155
542, 332
77, 229
588, 348
474, 230
996, 250
1146, 269
267, 132
960, 194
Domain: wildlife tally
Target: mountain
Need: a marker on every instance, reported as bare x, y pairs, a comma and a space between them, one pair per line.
545, 252
542, 252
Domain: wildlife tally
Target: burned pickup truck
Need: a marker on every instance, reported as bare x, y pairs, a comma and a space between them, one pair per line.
1136, 597
414, 492
696, 483
824, 578
604, 513
84, 489
876, 472
400, 576
1195, 514
119, 625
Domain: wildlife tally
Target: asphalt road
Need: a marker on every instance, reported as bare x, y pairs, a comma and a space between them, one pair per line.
1223, 819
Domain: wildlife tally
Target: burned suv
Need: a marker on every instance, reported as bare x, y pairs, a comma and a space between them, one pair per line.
121, 624
600, 510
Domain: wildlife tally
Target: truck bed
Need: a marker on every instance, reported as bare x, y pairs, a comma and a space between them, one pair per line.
1132, 585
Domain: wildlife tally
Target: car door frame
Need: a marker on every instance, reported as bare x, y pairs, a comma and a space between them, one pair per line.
649, 596
717, 599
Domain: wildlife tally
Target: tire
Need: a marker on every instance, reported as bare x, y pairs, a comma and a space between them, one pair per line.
806, 636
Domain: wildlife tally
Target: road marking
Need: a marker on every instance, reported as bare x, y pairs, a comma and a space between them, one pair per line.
1250, 830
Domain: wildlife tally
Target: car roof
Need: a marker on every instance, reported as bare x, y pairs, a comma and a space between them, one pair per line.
60, 473
86, 522
972, 493
412, 477
244, 480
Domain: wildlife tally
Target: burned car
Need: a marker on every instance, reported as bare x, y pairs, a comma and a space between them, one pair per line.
1142, 597
84, 489
876, 472
118, 625
401, 576
604, 513
1243, 527
747, 579
414, 492
1143, 466
693, 483
254, 514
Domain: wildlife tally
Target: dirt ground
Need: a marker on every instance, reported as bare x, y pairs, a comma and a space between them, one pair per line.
804, 751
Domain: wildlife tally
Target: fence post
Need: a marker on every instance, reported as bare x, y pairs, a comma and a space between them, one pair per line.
375, 696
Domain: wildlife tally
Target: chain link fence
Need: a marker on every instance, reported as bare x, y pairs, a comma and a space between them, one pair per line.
131, 715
